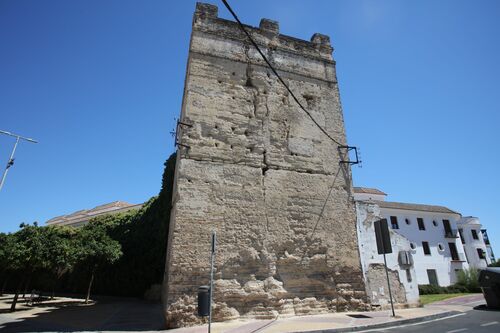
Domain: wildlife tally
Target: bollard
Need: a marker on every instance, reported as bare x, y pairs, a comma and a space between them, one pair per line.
204, 301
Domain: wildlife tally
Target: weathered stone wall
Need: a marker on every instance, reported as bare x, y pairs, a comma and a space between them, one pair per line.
257, 170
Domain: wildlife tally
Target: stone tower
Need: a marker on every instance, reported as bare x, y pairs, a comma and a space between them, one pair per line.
254, 167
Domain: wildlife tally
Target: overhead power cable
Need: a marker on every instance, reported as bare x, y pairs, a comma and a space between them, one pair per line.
277, 75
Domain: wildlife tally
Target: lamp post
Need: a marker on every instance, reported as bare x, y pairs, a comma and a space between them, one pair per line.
11, 158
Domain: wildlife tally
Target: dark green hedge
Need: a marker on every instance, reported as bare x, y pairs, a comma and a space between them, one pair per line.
425, 289
143, 237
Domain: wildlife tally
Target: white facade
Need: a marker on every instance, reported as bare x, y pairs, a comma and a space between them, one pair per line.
403, 276
438, 262
473, 242
432, 232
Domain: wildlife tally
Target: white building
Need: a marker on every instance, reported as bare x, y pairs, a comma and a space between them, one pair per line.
432, 232
402, 275
82, 217
473, 242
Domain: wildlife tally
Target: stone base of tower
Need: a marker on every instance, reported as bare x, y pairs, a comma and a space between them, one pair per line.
280, 250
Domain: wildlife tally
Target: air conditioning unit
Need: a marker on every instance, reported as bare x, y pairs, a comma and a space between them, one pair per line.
405, 258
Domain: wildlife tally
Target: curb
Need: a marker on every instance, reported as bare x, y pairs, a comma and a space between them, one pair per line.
384, 325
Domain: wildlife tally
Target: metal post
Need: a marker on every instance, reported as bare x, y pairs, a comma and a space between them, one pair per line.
11, 158
9, 163
389, 285
212, 259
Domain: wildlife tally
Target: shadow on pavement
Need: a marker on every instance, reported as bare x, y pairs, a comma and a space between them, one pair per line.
8, 310
484, 307
106, 315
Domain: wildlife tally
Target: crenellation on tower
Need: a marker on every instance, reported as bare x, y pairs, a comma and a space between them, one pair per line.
270, 26
206, 10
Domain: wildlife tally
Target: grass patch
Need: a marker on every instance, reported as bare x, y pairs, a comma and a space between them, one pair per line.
431, 298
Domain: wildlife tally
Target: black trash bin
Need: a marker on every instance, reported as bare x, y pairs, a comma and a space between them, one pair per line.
203, 301
489, 281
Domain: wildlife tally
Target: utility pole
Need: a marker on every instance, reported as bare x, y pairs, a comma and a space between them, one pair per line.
384, 246
11, 158
212, 260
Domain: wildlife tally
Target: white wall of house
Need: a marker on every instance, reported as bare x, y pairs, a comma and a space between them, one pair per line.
440, 258
406, 289
473, 241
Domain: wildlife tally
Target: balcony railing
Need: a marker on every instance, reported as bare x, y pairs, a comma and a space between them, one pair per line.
453, 233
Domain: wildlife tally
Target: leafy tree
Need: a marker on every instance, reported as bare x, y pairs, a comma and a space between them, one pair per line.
96, 249
60, 251
469, 278
127, 250
7, 247
143, 236
27, 255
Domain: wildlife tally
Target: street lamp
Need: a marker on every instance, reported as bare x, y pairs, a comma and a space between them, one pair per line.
11, 159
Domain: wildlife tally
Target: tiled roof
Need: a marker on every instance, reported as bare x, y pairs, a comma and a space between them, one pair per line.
86, 214
418, 207
368, 190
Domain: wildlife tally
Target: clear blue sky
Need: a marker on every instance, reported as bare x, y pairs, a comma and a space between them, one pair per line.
99, 83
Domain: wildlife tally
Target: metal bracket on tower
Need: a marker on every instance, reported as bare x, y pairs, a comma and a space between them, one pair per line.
344, 158
180, 125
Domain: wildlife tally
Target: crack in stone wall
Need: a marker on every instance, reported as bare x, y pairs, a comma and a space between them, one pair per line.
261, 174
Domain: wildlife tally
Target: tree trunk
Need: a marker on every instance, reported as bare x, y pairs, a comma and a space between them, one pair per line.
54, 285
16, 296
4, 285
90, 286
26, 286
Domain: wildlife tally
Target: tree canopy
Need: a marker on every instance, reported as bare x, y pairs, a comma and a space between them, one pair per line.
124, 253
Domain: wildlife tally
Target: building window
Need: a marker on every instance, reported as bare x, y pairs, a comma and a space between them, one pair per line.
474, 234
481, 254
448, 232
394, 222
427, 249
461, 232
421, 225
453, 251
431, 274
485, 237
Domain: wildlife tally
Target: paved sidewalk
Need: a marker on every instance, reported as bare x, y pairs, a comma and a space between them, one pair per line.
469, 300
113, 314
345, 321
132, 315
461, 303
335, 322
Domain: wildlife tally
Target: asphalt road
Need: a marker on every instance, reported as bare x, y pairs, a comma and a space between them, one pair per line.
478, 319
